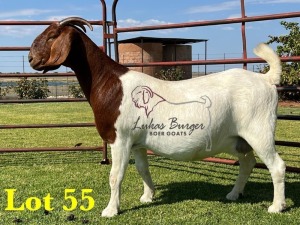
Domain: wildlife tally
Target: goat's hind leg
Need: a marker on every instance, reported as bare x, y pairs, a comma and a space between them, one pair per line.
276, 167
141, 163
247, 162
265, 149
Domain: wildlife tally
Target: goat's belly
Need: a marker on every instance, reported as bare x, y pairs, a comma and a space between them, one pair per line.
182, 154
185, 148
180, 145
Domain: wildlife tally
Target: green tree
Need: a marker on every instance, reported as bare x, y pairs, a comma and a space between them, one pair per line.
76, 91
4, 90
289, 45
32, 89
171, 74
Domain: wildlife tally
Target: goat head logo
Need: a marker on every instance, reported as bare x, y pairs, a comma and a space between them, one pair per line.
144, 97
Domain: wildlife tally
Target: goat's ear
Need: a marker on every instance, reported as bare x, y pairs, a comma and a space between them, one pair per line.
60, 49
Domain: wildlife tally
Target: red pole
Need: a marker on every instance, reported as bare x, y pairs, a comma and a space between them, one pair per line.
243, 28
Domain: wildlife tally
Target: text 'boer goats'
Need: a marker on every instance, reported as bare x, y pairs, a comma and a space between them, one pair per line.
232, 111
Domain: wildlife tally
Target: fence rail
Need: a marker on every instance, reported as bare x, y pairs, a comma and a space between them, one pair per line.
30, 126
209, 62
21, 75
39, 23
52, 149
210, 23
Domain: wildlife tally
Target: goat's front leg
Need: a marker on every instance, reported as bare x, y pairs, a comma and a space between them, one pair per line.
141, 163
120, 159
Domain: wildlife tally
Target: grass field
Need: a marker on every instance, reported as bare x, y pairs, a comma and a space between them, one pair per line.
187, 192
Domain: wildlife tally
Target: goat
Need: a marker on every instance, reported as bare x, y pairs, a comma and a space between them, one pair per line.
240, 106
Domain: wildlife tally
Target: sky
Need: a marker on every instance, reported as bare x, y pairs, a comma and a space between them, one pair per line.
224, 41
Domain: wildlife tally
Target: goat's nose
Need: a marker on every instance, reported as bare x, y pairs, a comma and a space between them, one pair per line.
30, 58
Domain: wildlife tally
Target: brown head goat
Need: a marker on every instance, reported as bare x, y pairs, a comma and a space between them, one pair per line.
233, 111
63, 43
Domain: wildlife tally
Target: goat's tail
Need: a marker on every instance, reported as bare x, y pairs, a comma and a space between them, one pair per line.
265, 52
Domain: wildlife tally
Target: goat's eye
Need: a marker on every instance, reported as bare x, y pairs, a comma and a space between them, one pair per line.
50, 39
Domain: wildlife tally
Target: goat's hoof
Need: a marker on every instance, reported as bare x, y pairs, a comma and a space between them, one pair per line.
108, 212
233, 196
276, 208
146, 198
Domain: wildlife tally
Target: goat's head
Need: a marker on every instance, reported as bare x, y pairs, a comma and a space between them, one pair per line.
51, 48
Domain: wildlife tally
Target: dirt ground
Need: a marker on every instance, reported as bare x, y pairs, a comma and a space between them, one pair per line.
289, 104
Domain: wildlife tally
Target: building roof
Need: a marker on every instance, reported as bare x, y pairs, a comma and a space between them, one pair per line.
164, 41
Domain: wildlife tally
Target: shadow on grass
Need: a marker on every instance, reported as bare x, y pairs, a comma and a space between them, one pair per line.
195, 190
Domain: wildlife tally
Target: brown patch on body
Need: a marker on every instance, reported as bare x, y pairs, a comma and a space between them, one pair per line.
105, 101
98, 76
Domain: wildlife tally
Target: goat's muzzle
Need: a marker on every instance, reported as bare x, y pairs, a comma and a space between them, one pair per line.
32, 60
39, 64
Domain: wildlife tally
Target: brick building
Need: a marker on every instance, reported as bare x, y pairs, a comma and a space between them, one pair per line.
151, 49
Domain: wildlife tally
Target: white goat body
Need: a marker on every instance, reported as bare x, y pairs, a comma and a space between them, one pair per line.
235, 111
239, 102
236, 96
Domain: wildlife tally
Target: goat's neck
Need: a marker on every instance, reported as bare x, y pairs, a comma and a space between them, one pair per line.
93, 68
98, 76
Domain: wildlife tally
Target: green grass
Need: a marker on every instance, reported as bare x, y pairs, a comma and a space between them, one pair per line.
53, 113
289, 131
187, 192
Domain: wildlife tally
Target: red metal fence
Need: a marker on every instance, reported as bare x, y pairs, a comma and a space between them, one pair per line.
107, 37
